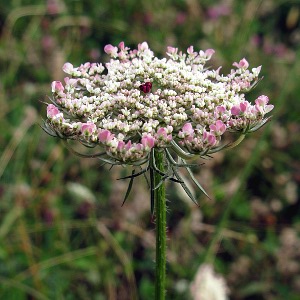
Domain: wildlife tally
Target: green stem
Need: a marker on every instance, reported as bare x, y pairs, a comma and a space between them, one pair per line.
161, 227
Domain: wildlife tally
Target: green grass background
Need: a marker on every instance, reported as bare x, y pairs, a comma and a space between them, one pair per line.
63, 232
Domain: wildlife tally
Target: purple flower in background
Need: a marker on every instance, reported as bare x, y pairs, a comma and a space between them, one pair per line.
217, 11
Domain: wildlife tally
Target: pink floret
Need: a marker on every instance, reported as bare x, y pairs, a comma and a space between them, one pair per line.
105, 136
88, 128
57, 87
52, 111
68, 68
111, 50
148, 142
243, 64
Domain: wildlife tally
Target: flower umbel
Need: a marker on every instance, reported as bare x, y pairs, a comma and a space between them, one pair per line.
137, 102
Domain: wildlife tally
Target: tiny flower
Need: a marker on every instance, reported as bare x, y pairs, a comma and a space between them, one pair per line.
187, 132
128, 145
209, 53
148, 142
52, 111
162, 135
212, 140
122, 46
261, 104
68, 68
143, 46
262, 100
57, 87
138, 147
88, 128
121, 146
70, 81
190, 50
188, 129
111, 50
221, 109
209, 138
256, 71
235, 110
221, 113
243, 64
244, 105
105, 136
219, 128
172, 50
146, 87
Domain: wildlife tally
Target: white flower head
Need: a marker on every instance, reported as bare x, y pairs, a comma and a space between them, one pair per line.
140, 94
208, 285
138, 102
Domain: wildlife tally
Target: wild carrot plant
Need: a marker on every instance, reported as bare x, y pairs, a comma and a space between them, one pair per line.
155, 115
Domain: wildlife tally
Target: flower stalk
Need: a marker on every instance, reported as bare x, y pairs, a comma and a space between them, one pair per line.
161, 228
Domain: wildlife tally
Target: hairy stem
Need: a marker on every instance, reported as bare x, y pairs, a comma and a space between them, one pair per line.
161, 227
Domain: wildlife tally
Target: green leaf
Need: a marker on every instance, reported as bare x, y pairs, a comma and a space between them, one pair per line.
184, 186
129, 187
196, 182
152, 191
134, 175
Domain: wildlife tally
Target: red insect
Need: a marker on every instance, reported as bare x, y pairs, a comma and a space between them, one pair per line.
146, 87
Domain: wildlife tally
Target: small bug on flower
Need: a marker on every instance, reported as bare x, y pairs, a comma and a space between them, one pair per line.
146, 87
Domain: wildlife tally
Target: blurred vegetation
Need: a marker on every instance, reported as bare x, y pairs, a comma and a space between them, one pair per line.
63, 232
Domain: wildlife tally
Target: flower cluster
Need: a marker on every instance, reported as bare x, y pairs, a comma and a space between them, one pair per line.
208, 285
137, 102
